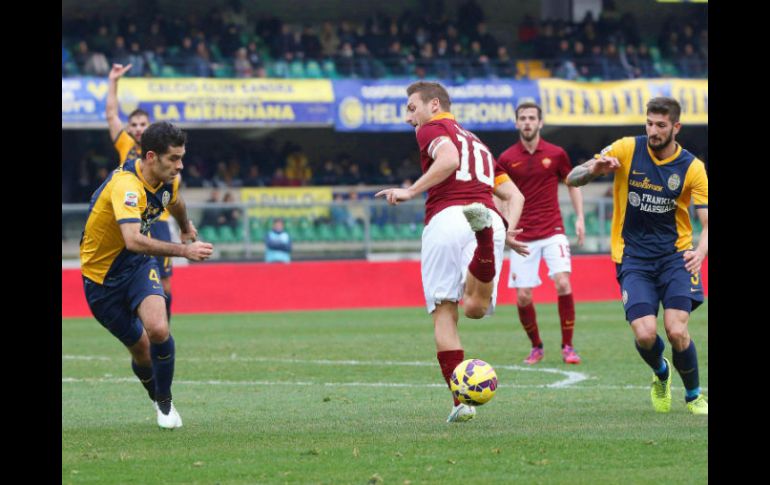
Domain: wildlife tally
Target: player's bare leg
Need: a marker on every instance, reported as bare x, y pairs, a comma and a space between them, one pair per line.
479, 283
477, 296
650, 347
685, 358
566, 316
449, 352
152, 312
166, 283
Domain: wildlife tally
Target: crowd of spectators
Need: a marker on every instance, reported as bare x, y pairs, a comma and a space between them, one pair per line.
233, 43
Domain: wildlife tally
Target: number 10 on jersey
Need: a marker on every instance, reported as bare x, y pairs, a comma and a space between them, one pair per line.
479, 162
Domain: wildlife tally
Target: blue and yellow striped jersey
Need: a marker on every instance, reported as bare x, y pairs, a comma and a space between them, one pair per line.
129, 149
651, 199
124, 197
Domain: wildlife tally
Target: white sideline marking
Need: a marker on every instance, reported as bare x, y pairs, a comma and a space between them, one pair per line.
569, 382
571, 377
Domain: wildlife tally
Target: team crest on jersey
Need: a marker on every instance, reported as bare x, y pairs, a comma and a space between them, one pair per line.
546, 162
674, 181
166, 198
131, 199
634, 199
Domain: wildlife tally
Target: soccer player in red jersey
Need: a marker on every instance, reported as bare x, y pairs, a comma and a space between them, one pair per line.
465, 233
536, 167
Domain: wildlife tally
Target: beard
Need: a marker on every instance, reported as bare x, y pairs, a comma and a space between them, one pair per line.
661, 145
529, 137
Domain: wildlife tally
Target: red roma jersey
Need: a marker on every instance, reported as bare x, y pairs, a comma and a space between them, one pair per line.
475, 178
537, 175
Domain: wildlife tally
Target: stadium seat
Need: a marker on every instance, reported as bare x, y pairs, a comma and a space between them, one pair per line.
325, 232
330, 69
313, 70
592, 224
357, 232
296, 70
389, 232
278, 69
376, 233
209, 234
228, 235
341, 232
569, 225
224, 71
308, 233
257, 233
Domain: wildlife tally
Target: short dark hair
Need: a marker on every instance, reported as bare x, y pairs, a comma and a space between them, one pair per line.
160, 136
429, 90
139, 112
527, 105
665, 106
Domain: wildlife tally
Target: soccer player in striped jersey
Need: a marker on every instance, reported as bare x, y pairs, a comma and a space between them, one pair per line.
465, 233
652, 243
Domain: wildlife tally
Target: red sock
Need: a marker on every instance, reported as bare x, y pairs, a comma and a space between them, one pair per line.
448, 360
528, 320
483, 263
567, 317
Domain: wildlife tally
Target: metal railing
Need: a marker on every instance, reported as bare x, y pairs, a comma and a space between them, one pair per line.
361, 229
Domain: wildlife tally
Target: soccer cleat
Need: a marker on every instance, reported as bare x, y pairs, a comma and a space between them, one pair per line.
478, 216
535, 356
569, 355
169, 421
660, 391
460, 413
698, 406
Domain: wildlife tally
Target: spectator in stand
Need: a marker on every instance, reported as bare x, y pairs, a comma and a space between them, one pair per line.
310, 42
689, 63
101, 42
254, 178
346, 33
154, 38
328, 175
479, 62
234, 169
582, 63
597, 62
241, 63
330, 42
277, 244
426, 59
279, 178
563, 65
614, 66
298, 170
631, 62
210, 216
91, 63
488, 42
230, 42
344, 60
202, 61
192, 176
527, 31
505, 65
340, 215
252, 54
230, 216
222, 177
546, 44
136, 58
670, 48
646, 62
119, 53
363, 61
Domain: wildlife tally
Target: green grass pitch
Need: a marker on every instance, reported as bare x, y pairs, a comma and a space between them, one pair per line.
356, 397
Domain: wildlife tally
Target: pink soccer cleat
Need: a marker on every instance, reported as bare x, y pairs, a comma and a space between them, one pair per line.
569, 355
535, 356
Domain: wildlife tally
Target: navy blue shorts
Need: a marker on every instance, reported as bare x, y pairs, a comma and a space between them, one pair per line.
646, 283
115, 306
162, 232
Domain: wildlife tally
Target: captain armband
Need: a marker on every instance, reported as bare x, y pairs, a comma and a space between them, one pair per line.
437, 142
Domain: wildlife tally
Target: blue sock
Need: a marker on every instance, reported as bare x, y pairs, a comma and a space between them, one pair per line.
145, 377
686, 363
654, 357
163, 367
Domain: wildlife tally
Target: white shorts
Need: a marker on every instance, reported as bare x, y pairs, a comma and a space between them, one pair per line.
448, 244
524, 270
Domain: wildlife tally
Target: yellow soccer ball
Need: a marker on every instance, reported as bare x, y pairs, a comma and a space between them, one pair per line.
473, 382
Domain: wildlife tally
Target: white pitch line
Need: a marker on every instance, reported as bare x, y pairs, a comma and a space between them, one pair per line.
118, 380
571, 377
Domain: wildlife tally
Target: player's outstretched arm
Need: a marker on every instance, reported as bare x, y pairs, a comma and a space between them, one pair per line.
447, 161
139, 243
694, 259
596, 167
111, 110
